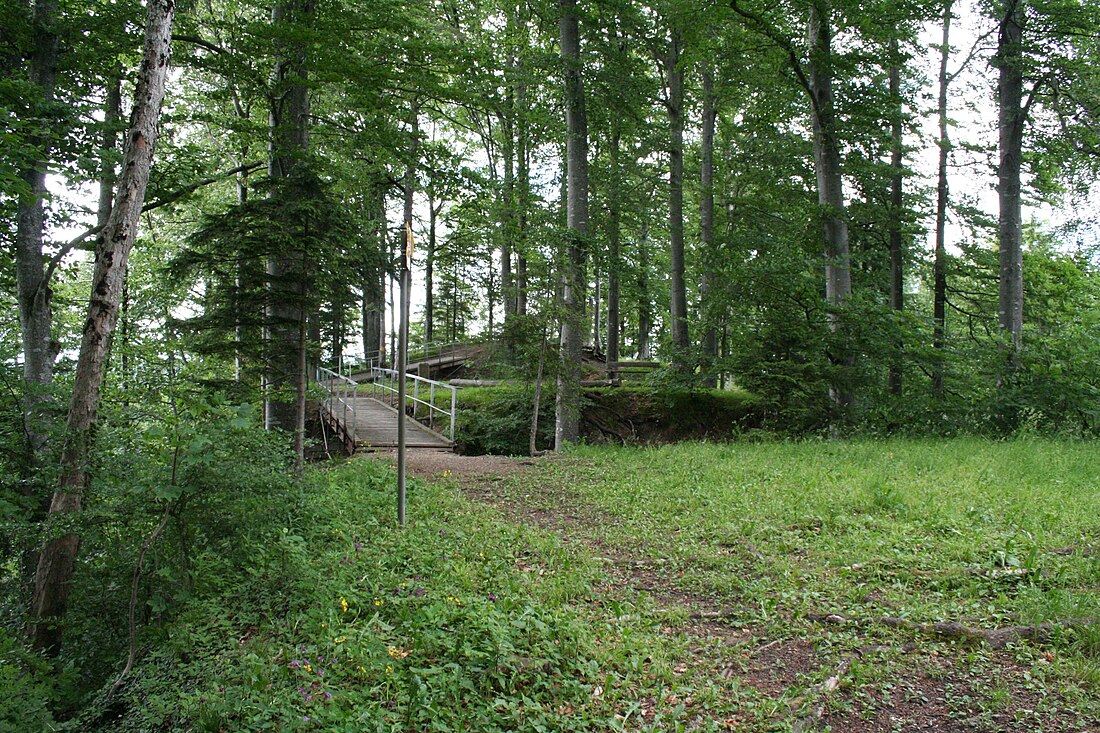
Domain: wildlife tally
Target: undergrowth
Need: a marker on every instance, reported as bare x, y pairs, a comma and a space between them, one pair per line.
458, 621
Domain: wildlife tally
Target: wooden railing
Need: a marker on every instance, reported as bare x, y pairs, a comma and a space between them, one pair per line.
384, 387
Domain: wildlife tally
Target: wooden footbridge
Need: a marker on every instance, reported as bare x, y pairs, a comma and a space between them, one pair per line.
363, 415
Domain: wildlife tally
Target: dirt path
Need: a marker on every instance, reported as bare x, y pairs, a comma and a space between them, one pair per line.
797, 675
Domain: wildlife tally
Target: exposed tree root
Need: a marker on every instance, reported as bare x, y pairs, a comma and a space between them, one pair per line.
993, 638
816, 698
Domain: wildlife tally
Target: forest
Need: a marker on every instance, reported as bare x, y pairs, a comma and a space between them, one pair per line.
780, 320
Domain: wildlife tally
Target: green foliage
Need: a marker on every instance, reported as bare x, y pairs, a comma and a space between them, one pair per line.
497, 420
345, 622
213, 479
26, 688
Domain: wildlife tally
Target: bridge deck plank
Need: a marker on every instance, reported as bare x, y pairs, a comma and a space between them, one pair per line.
376, 427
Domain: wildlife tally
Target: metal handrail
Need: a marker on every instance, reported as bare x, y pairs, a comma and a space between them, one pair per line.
418, 352
349, 367
434, 349
339, 388
380, 385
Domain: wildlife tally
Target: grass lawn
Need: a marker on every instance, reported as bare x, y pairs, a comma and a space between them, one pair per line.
822, 553
689, 587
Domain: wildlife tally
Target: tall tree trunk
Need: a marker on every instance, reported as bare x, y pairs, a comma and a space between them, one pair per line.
112, 113
507, 218
614, 246
897, 203
597, 307
567, 405
289, 130
706, 231
374, 283
830, 189
939, 267
678, 289
33, 290
56, 561
429, 266
645, 302
1011, 120
523, 195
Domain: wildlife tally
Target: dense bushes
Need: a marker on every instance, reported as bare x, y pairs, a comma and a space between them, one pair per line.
497, 420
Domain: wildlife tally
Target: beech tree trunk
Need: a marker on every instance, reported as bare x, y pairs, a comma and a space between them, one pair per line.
567, 402
614, 246
289, 129
939, 267
830, 188
897, 203
645, 303
507, 218
33, 290
429, 266
374, 283
113, 245
1011, 120
678, 289
706, 230
523, 194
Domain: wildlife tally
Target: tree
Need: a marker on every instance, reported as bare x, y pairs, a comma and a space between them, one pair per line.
55, 562
567, 404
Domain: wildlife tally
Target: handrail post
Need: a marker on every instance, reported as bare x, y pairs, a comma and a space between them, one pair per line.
416, 396
453, 393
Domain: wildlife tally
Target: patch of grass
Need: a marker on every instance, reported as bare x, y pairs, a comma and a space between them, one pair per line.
970, 530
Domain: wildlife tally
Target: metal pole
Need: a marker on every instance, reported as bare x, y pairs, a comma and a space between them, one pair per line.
402, 363
453, 393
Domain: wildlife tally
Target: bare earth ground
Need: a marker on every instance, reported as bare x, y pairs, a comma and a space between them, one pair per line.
791, 677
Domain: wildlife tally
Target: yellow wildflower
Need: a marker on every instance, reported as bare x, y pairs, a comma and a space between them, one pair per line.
339, 640
343, 604
378, 601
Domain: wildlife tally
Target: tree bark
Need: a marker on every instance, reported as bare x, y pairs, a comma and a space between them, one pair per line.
614, 246
113, 245
897, 203
567, 403
429, 266
523, 194
289, 147
507, 218
939, 266
830, 188
32, 285
1011, 120
706, 231
645, 304
678, 289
